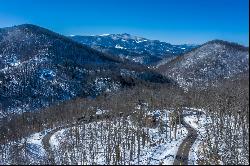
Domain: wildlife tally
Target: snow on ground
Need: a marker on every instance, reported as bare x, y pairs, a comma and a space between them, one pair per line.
56, 138
199, 125
191, 109
106, 34
35, 141
164, 152
100, 111
159, 150
34, 150
120, 47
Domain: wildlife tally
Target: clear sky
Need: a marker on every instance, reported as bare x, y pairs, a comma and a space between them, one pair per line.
174, 21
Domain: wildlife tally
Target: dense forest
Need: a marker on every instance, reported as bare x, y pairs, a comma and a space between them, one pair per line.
123, 130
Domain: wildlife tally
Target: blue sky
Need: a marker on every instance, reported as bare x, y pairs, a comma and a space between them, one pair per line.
174, 21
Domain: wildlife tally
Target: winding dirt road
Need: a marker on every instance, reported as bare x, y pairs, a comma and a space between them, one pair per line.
47, 137
47, 146
181, 157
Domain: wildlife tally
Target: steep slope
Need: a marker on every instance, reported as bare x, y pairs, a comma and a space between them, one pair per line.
134, 48
211, 62
39, 67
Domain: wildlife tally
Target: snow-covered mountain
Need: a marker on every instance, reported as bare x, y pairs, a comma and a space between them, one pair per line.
211, 62
137, 49
39, 67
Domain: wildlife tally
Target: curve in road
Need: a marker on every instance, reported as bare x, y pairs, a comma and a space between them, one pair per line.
46, 138
180, 159
47, 146
183, 151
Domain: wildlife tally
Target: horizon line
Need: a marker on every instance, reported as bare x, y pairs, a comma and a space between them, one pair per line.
106, 34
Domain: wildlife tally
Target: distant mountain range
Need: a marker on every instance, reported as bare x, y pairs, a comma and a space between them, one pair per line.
39, 67
189, 65
137, 49
207, 64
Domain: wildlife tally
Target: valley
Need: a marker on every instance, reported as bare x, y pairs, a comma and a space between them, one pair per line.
119, 99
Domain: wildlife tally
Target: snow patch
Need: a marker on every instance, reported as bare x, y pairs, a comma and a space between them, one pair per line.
100, 111
105, 34
119, 47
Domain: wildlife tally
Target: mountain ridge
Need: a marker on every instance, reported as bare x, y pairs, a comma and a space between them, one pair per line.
207, 63
134, 48
39, 67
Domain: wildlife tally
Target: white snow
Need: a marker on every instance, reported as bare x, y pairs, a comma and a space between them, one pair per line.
160, 150
15, 63
34, 150
105, 34
139, 41
118, 46
164, 152
56, 138
105, 84
138, 59
35, 140
100, 111
199, 125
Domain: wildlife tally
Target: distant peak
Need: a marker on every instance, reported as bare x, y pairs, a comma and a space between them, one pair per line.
31, 27
218, 41
28, 26
126, 34
105, 34
227, 43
